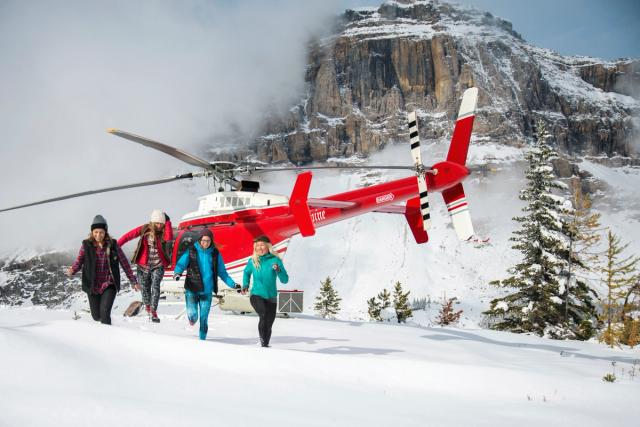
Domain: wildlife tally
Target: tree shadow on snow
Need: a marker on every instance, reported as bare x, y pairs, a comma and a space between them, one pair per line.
564, 351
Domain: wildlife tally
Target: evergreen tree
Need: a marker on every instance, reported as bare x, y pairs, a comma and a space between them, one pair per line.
374, 309
377, 304
327, 302
419, 304
539, 281
385, 299
401, 303
619, 277
447, 315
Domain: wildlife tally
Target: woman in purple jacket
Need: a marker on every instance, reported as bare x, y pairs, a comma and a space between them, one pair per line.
100, 259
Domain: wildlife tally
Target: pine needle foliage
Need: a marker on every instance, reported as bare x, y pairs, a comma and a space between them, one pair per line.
327, 302
537, 298
374, 309
401, 303
620, 276
378, 303
447, 314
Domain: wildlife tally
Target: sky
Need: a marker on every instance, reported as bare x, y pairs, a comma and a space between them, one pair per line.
181, 73
603, 29
190, 74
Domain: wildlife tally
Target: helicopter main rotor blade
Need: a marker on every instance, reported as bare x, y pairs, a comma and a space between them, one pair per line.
167, 149
303, 168
104, 190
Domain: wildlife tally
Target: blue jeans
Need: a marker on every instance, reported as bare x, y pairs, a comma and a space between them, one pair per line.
202, 301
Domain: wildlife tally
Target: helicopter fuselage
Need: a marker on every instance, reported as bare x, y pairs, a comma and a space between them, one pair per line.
236, 218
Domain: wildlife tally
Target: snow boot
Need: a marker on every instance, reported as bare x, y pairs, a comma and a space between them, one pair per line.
154, 317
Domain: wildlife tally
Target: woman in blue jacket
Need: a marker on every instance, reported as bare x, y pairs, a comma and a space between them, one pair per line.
265, 266
205, 265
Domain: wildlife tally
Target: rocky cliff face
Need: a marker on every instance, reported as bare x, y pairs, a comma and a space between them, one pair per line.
38, 280
385, 61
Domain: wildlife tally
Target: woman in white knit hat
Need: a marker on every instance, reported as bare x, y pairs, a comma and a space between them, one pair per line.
150, 257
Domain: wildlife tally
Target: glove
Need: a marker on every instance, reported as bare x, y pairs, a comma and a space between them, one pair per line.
238, 288
176, 277
166, 217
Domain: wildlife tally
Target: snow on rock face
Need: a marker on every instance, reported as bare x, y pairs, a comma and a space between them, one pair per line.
422, 55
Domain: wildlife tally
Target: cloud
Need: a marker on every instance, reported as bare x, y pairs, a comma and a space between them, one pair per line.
182, 73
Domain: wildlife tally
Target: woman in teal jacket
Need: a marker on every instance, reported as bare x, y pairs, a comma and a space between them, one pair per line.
205, 265
265, 266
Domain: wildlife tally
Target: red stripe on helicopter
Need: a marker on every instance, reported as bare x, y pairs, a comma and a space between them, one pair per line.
457, 204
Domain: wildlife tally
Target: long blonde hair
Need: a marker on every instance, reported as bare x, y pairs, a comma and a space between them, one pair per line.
256, 258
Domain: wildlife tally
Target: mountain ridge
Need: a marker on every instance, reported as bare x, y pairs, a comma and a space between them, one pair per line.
422, 55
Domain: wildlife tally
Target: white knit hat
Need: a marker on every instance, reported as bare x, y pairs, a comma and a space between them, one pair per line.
157, 216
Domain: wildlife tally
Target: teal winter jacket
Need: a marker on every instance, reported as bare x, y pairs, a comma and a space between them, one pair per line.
264, 278
206, 269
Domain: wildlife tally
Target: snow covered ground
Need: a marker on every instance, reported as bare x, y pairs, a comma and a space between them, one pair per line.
60, 371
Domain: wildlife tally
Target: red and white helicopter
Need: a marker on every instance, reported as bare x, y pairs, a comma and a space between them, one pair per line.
236, 217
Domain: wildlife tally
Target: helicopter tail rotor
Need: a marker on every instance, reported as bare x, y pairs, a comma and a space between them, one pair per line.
421, 171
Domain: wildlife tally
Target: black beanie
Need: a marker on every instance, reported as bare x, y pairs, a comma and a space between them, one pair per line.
262, 238
99, 222
206, 232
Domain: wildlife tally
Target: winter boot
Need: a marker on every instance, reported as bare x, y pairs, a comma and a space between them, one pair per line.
154, 317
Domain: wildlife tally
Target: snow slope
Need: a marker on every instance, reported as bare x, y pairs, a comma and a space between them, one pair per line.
59, 371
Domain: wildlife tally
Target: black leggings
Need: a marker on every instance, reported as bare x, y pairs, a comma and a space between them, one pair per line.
101, 305
267, 312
